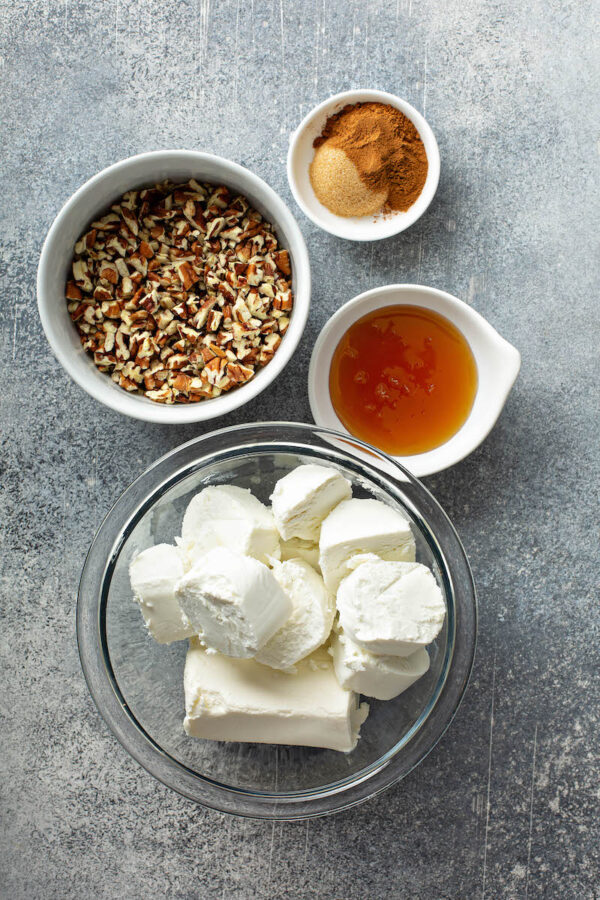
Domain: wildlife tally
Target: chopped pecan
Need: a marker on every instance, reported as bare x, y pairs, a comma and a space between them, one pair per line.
282, 259
180, 292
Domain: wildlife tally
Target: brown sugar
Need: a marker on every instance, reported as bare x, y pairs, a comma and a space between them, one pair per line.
386, 151
338, 186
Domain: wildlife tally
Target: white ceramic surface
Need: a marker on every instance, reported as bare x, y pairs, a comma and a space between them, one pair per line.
363, 228
92, 199
498, 364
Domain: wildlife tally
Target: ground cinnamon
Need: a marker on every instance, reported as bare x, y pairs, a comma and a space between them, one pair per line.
385, 147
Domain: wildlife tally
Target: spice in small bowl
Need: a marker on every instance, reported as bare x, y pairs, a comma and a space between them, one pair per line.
368, 158
363, 165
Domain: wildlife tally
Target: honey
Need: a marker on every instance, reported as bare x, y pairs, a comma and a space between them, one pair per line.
404, 379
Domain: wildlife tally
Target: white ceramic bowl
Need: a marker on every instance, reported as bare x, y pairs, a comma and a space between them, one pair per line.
93, 198
363, 228
497, 361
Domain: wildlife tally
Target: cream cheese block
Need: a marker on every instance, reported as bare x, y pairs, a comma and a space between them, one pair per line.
233, 602
153, 574
362, 526
313, 609
391, 608
229, 516
241, 700
304, 497
381, 677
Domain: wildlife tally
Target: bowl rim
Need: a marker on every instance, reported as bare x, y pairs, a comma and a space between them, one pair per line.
95, 655
139, 407
396, 223
500, 354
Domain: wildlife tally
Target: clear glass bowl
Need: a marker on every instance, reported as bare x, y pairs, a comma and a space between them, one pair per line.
137, 684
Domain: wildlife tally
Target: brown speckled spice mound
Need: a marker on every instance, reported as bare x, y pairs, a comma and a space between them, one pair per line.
385, 147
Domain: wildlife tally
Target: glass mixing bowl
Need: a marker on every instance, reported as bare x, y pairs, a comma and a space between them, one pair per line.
137, 684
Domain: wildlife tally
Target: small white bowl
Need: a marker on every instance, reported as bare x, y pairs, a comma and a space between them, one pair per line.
357, 228
498, 364
92, 199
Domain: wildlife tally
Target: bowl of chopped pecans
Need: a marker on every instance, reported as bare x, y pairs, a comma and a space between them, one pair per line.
170, 279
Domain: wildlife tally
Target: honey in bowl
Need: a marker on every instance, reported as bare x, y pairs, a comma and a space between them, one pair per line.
404, 379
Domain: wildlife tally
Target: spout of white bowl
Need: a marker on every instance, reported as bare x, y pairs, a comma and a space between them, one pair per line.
508, 362
498, 364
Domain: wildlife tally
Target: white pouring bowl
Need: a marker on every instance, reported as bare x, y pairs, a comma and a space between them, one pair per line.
92, 199
356, 228
497, 361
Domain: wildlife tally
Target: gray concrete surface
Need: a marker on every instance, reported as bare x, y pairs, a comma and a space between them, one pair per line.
507, 804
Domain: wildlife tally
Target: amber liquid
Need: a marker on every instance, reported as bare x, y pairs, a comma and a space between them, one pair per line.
404, 379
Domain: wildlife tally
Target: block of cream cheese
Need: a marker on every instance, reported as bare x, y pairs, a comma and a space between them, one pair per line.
313, 609
382, 677
391, 608
298, 548
241, 700
229, 516
362, 526
153, 575
304, 497
233, 602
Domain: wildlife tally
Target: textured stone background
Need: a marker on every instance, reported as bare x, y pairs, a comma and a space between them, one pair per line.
507, 804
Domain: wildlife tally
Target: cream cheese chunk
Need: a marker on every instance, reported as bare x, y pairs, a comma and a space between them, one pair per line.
229, 516
233, 602
362, 526
391, 608
313, 609
241, 700
153, 574
304, 497
298, 548
381, 677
